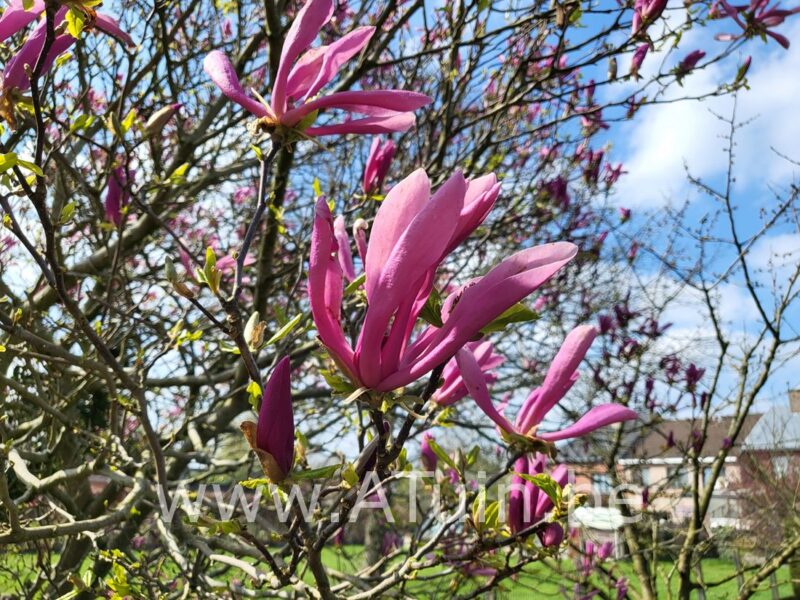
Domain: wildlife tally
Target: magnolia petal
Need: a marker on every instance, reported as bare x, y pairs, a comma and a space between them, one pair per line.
219, 67
387, 100
476, 385
275, 431
598, 417
368, 125
344, 254
403, 272
325, 288
110, 26
509, 282
338, 53
15, 18
561, 374
302, 33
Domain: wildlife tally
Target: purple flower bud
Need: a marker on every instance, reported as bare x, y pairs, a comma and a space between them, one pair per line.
118, 194
637, 60
689, 62
427, 455
378, 162
552, 535
605, 550
272, 438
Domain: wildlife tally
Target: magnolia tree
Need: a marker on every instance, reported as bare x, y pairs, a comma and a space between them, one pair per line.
258, 257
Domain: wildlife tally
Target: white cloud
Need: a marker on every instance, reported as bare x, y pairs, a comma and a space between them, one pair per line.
661, 139
776, 251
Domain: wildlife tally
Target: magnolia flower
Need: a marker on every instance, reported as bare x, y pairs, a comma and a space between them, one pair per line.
160, 118
689, 62
412, 234
118, 194
272, 438
426, 453
302, 73
15, 18
453, 388
644, 13
605, 550
552, 535
527, 504
638, 59
560, 377
378, 161
756, 20
15, 75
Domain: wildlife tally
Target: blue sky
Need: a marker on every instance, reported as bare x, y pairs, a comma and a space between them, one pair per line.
657, 144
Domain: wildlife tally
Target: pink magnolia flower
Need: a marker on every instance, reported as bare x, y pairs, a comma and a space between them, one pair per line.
689, 62
158, 120
527, 504
638, 59
118, 194
453, 388
756, 20
644, 13
15, 18
378, 162
427, 455
302, 73
605, 550
560, 377
552, 535
272, 438
412, 234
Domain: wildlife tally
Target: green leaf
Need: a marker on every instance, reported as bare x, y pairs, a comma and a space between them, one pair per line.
8, 161
178, 176
492, 515
255, 483
547, 484
432, 311
355, 284
349, 475
127, 122
75, 21
82, 122
30, 166
255, 393
519, 313
317, 187
67, 212
443, 456
27, 4
285, 330
320, 473
210, 270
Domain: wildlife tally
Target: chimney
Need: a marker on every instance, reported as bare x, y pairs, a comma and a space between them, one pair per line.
794, 400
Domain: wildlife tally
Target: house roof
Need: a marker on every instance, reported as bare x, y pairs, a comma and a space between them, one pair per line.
655, 442
778, 429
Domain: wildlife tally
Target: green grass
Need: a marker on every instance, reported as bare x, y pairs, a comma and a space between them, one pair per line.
541, 581
537, 581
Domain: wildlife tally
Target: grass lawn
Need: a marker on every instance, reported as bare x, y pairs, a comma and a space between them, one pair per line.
537, 581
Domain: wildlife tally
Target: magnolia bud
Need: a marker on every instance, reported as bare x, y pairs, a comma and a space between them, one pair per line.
160, 118
169, 270
254, 331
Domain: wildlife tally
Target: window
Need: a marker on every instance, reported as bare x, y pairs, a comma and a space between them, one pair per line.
707, 476
602, 483
678, 477
780, 465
